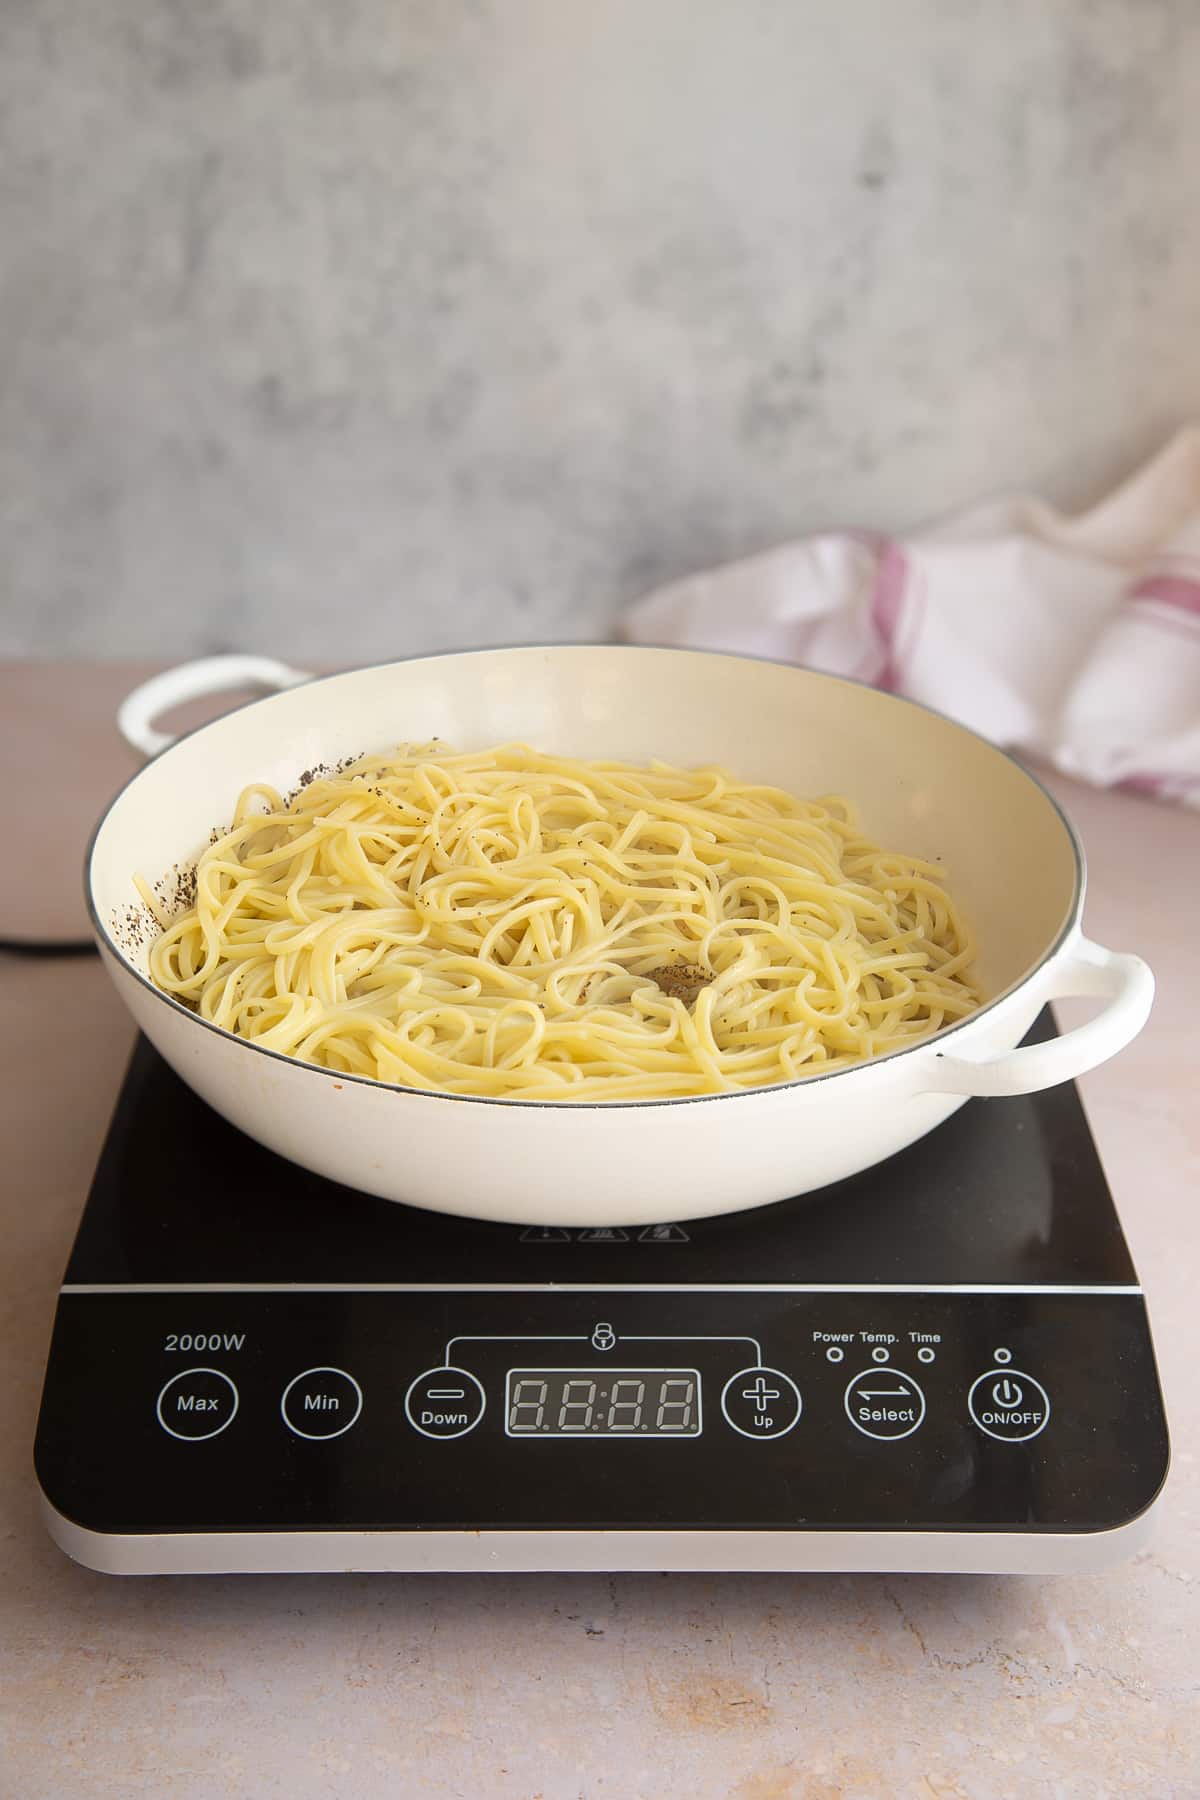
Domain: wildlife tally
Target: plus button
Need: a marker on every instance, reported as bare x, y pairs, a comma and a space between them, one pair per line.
758, 1394
761, 1403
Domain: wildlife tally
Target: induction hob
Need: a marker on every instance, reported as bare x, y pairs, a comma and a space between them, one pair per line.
942, 1363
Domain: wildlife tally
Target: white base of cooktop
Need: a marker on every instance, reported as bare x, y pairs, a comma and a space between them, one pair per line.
606, 1552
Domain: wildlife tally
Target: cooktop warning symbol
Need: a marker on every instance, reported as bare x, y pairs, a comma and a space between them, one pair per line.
663, 1234
604, 1234
545, 1234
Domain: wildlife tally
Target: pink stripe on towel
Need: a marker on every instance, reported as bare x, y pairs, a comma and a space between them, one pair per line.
1149, 785
887, 606
1158, 786
1170, 590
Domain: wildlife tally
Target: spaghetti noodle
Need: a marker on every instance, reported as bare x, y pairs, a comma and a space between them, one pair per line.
512, 924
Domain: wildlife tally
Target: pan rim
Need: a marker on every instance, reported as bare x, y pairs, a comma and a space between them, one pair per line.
888, 1059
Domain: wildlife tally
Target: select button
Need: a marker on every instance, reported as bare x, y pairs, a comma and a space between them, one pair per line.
197, 1404
884, 1403
321, 1403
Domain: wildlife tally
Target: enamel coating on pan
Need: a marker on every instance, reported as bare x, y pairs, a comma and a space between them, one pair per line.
920, 781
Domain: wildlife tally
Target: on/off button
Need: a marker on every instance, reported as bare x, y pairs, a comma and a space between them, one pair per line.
1009, 1405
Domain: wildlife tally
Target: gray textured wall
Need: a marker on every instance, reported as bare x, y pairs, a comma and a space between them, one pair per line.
361, 326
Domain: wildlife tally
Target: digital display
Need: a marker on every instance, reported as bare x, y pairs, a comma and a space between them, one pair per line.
637, 1403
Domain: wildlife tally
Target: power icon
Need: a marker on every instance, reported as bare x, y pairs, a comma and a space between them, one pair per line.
1009, 1405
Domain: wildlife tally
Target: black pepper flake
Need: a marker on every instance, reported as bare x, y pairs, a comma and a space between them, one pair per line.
681, 981
307, 776
133, 927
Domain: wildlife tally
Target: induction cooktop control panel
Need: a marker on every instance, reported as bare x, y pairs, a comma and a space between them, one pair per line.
536, 1408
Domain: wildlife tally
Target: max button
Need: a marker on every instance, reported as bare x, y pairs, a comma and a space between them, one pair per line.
197, 1404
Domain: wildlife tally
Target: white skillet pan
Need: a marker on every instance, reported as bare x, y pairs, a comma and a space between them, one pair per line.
923, 784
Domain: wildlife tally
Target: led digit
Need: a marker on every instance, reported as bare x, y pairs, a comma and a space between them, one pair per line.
523, 1403
675, 1407
575, 1414
625, 1409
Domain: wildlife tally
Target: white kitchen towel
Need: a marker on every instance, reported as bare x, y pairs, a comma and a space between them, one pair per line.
1074, 639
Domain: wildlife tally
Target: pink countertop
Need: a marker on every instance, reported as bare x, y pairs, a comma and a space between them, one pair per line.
763, 1688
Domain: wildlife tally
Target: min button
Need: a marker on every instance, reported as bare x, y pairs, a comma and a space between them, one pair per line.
321, 1403
197, 1404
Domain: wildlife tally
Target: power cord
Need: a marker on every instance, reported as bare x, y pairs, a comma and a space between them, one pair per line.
47, 947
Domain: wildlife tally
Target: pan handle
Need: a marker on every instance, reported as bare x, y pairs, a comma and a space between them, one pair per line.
191, 681
1124, 981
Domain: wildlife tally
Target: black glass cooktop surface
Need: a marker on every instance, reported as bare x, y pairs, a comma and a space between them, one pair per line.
1007, 1191
952, 1341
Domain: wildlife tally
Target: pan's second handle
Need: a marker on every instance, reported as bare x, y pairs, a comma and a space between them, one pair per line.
1123, 981
192, 681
